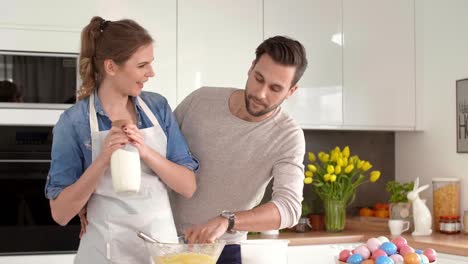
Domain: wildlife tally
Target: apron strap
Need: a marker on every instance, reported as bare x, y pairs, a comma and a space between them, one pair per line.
148, 112
93, 123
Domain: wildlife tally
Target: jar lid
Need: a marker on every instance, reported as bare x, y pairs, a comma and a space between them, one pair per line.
445, 179
450, 217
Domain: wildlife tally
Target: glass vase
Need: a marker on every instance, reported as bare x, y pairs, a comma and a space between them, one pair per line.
335, 215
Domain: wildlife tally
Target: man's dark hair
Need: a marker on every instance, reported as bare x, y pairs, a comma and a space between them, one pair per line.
285, 51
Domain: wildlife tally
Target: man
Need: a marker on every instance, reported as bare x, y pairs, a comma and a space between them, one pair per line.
243, 139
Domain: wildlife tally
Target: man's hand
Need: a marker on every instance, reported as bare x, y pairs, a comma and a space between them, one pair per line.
208, 232
83, 220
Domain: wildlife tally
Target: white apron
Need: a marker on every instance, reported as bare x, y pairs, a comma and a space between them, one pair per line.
115, 218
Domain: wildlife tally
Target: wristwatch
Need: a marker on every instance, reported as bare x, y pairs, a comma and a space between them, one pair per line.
231, 217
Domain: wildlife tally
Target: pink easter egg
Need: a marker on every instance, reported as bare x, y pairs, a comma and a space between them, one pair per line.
405, 250
363, 251
399, 242
378, 253
373, 244
431, 254
397, 258
344, 255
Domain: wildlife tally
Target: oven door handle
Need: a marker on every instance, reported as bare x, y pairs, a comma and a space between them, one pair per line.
25, 160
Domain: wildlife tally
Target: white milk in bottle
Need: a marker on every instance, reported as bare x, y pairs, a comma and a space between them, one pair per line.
125, 165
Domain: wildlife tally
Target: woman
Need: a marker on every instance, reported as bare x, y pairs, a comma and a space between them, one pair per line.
115, 62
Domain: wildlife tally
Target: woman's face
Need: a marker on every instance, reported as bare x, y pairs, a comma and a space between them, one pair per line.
132, 75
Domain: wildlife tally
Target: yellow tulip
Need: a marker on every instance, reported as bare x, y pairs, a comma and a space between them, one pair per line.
337, 149
349, 168
346, 152
366, 166
330, 169
321, 153
312, 168
360, 164
337, 169
333, 178
309, 174
326, 177
345, 162
326, 158
334, 156
340, 162
308, 180
312, 157
374, 176
354, 159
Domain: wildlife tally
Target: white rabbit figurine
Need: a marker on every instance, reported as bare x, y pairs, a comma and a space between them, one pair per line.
421, 214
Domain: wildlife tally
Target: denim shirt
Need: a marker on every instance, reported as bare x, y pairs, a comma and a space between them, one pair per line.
71, 145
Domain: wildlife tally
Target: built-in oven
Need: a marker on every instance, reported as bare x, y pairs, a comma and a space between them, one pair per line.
26, 224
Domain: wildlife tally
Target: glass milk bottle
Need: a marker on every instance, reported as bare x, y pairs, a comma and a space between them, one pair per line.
125, 165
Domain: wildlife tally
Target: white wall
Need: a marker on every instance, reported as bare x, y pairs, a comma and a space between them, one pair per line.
441, 59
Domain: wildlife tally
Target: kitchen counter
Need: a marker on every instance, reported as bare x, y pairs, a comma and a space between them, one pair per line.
448, 244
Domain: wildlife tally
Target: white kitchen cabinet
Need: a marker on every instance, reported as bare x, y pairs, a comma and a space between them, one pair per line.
317, 25
216, 43
55, 26
379, 64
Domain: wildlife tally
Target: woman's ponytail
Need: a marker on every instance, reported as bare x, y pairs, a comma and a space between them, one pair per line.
87, 62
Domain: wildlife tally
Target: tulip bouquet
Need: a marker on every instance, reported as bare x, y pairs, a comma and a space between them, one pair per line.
335, 177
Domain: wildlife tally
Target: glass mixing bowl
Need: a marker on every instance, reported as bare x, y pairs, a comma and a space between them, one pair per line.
173, 253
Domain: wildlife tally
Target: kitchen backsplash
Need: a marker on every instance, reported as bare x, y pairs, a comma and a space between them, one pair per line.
376, 147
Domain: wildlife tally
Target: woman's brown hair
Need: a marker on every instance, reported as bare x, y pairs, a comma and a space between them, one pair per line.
102, 40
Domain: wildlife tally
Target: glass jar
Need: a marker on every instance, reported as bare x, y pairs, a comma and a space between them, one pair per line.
446, 198
303, 225
465, 222
449, 224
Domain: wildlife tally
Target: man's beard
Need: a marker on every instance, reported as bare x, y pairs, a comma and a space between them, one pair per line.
260, 113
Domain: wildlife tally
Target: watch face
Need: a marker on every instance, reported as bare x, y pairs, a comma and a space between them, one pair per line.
227, 214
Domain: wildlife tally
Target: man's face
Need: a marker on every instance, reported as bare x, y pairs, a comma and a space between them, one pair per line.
268, 85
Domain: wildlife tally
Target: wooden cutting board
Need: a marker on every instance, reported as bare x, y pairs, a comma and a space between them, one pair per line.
367, 223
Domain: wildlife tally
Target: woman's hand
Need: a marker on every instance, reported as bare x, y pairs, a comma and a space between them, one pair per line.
113, 141
136, 138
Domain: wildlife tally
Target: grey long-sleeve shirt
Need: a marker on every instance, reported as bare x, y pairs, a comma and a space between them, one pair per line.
237, 160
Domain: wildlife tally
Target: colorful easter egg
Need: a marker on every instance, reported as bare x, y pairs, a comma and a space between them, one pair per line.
378, 253
431, 254
363, 251
412, 258
397, 258
355, 259
384, 260
405, 250
399, 242
344, 255
389, 248
383, 239
373, 244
